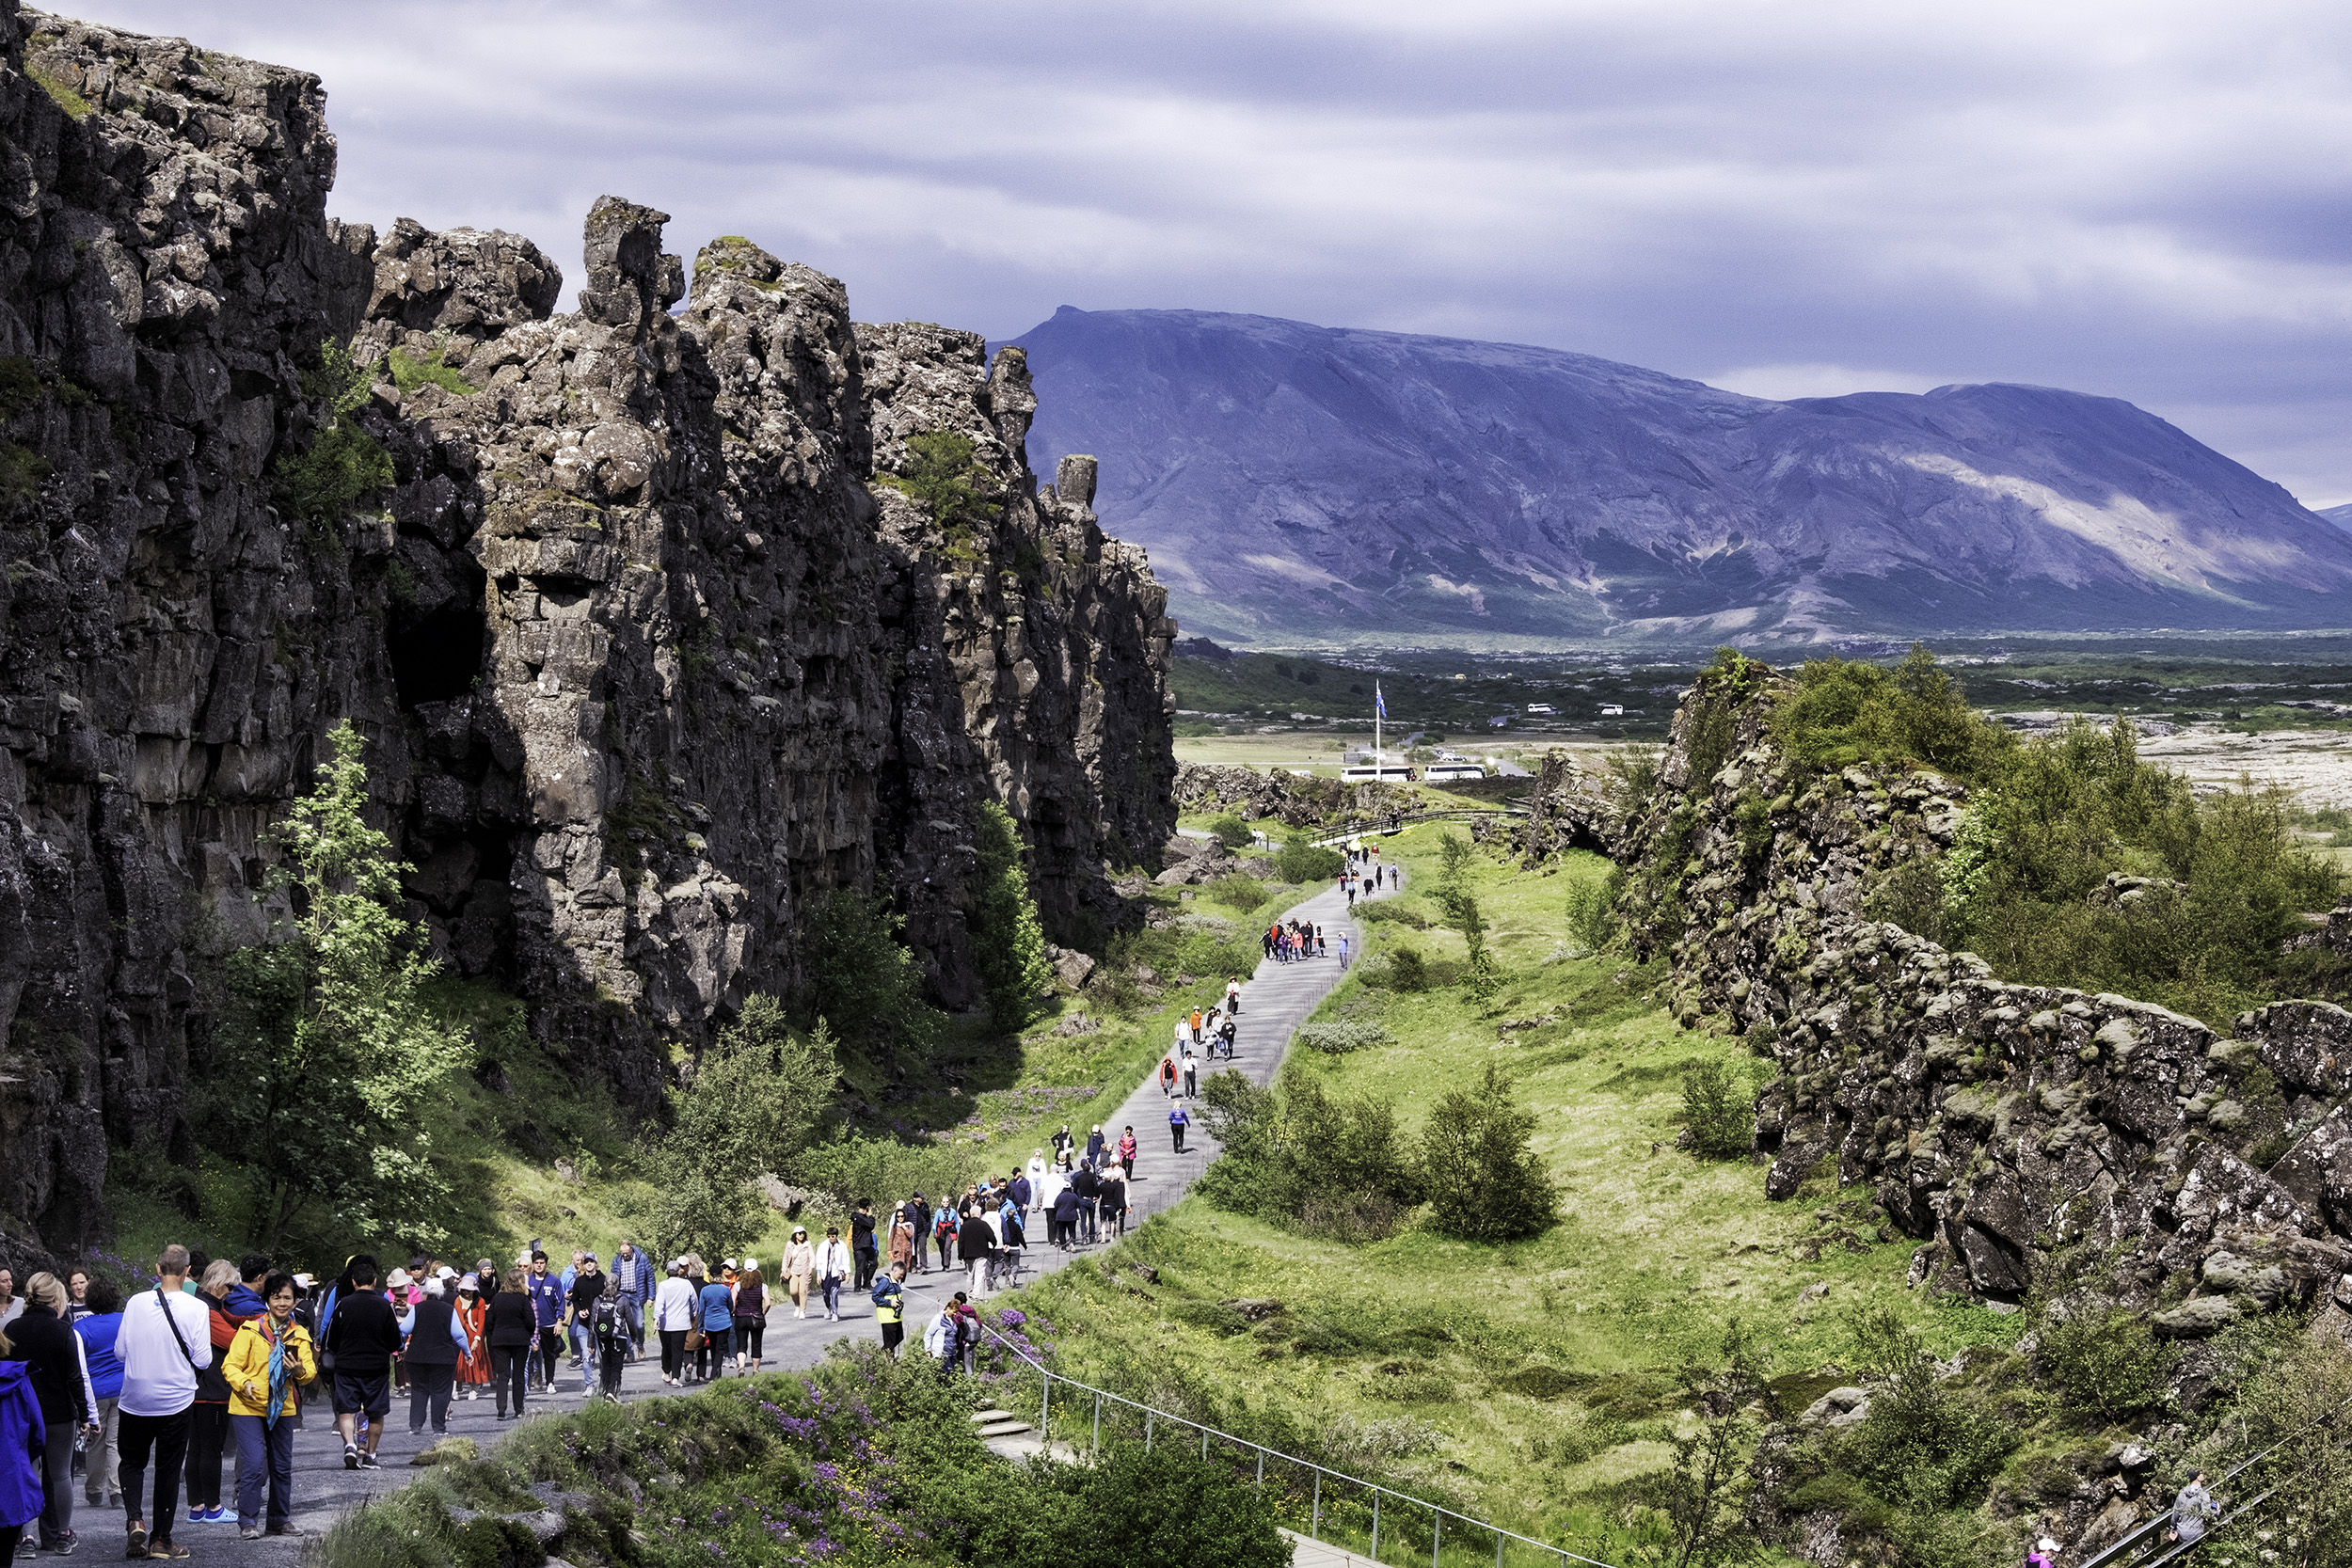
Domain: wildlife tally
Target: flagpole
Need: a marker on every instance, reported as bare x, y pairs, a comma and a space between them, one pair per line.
1379, 758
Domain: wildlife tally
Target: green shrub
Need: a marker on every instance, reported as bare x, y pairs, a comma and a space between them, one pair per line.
20, 385
1909, 893
409, 372
2106, 1364
1232, 833
942, 472
1924, 1444
1397, 910
1297, 1156
1590, 909
22, 472
866, 984
1405, 969
1301, 862
1337, 1037
1174, 1506
1718, 1112
1482, 1181
1238, 891
1844, 712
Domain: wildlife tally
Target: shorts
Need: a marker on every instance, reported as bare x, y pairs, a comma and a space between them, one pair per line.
358, 1393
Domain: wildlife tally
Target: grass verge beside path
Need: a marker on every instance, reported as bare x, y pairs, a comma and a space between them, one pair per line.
1532, 1383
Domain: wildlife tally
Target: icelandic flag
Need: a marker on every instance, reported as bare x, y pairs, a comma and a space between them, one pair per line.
1380, 703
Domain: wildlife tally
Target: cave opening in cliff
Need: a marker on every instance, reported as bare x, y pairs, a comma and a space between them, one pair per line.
439, 656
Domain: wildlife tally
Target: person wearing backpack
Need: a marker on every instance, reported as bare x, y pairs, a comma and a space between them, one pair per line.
608, 1332
39, 1338
268, 1362
165, 1340
939, 1339
945, 1225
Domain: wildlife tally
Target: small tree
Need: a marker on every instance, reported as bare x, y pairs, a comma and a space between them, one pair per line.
1484, 1181
1302, 861
1705, 1497
1232, 833
1721, 1124
1172, 1506
326, 1054
343, 462
866, 984
755, 1098
1011, 949
942, 472
2106, 1364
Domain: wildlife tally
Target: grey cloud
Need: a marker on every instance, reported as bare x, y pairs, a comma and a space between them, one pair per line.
2143, 201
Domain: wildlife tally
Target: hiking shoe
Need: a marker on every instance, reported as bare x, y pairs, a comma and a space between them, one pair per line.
63, 1548
367, 1461
283, 1527
351, 1456
137, 1550
168, 1551
248, 1533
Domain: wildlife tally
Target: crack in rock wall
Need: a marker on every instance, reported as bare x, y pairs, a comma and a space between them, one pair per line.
647, 664
2001, 1124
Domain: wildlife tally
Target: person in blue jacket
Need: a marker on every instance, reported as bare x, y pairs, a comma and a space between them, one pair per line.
717, 1304
547, 1307
23, 1437
98, 1330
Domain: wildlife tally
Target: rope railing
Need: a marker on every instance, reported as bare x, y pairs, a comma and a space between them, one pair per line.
1438, 1513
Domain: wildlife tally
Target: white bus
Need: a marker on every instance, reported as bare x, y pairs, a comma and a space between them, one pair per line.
1376, 773
1445, 772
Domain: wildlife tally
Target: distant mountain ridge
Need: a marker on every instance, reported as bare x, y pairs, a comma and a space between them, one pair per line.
1294, 480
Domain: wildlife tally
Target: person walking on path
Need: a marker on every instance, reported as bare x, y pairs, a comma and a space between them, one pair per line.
890, 1308
208, 1419
270, 1359
97, 1331
363, 1338
1232, 995
717, 1305
861, 1244
1192, 1075
1062, 1140
798, 1266
437, 1342
1095, 1145
1127, 1153
901, 1244
833, 1268
1089, 1187
1113, 1204
587, 1290
634, 1269
164, 1340
673, 1319
608, 1335
474, 1370
23, 1440
546, 1305
945, 1223
974, 1242
510, 1323
39, 1338
751, 1313
1344, 948
1168, 1073
1177, 1123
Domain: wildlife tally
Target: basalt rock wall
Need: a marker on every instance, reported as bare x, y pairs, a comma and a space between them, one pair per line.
2003, 1125
647, 663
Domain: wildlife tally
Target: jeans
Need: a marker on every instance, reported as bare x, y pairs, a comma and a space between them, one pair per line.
832, 1295
1087, 1222
264, 1465
99, 1484
56, 1483
429, 1387
167, 1438
551, 1355
208, 1439
633, 1318
509, 1372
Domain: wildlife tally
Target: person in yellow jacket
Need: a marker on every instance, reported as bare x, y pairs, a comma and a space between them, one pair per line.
268, 1363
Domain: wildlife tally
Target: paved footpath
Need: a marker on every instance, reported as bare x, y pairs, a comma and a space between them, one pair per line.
1275, 1001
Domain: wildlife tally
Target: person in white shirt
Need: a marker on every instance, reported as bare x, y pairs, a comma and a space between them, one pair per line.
166, 1337
673, 1315
834, 1265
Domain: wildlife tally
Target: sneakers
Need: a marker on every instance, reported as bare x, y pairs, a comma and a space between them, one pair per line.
351, 1456
166, 1551
283, 1527
135, 1551
248, 1533
64, 1547
367, 1461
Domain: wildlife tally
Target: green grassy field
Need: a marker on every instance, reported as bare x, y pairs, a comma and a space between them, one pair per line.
1528, 1383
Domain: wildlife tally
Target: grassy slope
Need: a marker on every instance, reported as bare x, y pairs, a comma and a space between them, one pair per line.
1654, 1249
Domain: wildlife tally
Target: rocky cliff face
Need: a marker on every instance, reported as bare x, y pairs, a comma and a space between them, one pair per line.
2001, 1124
647, 666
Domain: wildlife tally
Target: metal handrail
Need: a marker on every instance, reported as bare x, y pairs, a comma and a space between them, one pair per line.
2139, 1534
1413, 818
1438, 1513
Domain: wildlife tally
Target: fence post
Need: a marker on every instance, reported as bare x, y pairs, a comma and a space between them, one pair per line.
1314, 1530
1046, 1410
1097, 1424
1204, 1442
1261, 1467
1498, 1549
1436, 1530
1375, 1524
1147, 1431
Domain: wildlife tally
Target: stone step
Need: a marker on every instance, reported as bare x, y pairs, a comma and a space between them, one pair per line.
981, 1417
1009, 1427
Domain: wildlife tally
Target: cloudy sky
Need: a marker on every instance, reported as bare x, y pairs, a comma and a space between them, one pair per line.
2142, 199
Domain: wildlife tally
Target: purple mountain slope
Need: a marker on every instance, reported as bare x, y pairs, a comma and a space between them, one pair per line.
1298, 481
